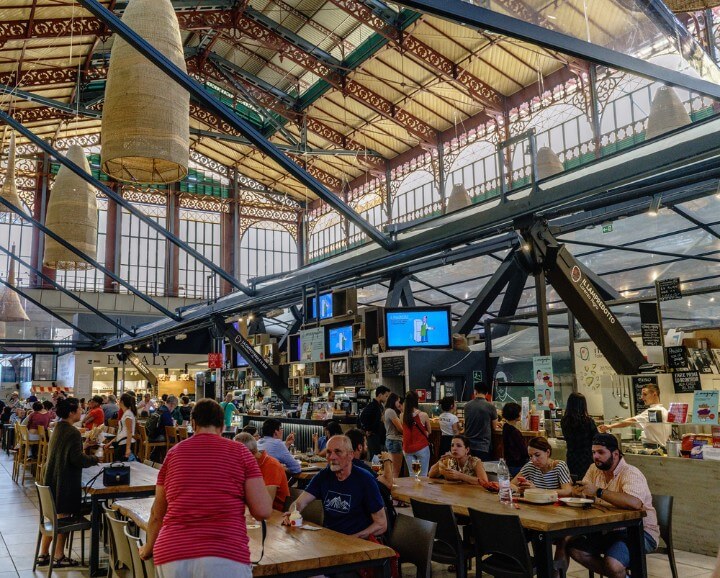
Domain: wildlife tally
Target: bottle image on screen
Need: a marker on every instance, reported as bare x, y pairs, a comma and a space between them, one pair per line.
417, 325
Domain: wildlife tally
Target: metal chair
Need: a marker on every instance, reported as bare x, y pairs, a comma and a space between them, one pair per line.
413, 539
448, 545
50, 525
663, 508
142, 568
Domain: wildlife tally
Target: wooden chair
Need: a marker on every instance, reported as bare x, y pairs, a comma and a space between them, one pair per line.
42, 453
26, 452
182, 433
171, 436
145, 446
413, 539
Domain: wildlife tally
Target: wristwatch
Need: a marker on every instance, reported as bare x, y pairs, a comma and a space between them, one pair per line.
599, 493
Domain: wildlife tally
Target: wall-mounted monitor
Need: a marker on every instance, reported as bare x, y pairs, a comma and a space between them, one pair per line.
338, 340
241, 361
325, 310
417, 327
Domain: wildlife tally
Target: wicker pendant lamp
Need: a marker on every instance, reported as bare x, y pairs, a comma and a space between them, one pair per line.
146, 116
459, 198
10, 307
548, 163
71, 214
667, 112
2, 330
691, 5
9, 188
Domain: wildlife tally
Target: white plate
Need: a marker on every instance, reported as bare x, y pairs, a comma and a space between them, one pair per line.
576, 502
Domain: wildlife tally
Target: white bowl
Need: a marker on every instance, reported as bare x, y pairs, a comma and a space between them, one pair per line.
576, 502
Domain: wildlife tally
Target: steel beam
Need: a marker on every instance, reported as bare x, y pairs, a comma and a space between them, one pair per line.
399, 291
484, 19
510, 302
642, 251
697, 222
227, 115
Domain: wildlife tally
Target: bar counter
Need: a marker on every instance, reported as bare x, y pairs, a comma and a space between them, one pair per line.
302, 428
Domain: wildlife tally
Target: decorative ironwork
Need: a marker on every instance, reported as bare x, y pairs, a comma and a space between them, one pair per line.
49, 76
340, 140
203, 203
51, 28
246, 223
149, 196
267, 214
210, 164
207, 19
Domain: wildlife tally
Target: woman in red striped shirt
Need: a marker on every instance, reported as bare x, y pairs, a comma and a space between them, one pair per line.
197, 524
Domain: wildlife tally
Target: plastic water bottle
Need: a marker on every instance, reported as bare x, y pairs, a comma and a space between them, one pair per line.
503, 474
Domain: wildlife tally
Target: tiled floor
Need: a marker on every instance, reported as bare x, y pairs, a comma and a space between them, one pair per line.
19, 520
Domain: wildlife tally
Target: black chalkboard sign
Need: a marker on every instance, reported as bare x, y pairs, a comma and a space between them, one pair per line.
357, 365
640, 381
350, 380
393, 366
677, 357
668, 289
650, 324
686, 381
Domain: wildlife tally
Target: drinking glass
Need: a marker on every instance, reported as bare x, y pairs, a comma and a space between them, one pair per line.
416, 467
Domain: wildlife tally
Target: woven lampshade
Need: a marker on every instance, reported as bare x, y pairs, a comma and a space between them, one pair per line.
666, 113
146, 116
71, 214
459, 198
2, 330
10, 307
548, 163
9, 188
691, 5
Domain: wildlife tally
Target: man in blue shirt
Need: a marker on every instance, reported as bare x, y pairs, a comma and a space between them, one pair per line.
273, 444
352, 503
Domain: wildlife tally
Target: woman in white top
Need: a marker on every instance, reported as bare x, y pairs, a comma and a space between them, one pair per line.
126, 428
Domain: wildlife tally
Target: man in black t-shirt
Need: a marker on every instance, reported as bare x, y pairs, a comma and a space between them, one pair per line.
371, 421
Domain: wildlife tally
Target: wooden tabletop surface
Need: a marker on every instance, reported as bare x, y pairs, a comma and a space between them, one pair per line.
545, 518
142, 479
286, 549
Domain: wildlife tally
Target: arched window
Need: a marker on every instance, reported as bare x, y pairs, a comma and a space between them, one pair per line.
476, 167
142, 250
370, 208
327, 236
266, 248
14, 230
202, 231
417, 197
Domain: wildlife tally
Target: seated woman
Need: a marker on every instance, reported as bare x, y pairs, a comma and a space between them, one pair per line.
459, 465
542, 471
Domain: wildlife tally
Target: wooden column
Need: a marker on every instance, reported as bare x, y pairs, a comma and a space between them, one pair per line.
172, 254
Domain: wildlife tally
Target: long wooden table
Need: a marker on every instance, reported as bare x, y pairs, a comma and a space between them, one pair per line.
291, 552
142, 483
546, 523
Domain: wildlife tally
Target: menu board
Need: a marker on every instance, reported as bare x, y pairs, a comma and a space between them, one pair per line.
312, 343
677, 357
686, 381
668, 289
393, 366
640, 381
650, 324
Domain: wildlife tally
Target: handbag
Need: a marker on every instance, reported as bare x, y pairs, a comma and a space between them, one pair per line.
116, 474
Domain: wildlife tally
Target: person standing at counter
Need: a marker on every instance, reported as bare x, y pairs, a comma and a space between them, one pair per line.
481, 419
370, 421
393, 427
656, 431
514, 446
578, 429
449, 423
229, 409
272, 443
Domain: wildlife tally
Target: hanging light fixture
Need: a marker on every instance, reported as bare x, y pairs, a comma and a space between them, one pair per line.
146, 116
691, 5
10, 307
667, 112
548, 163
71, 214
459, 198
2, 329
9, 188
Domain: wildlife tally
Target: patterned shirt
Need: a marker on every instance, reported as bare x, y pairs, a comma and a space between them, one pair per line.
551, 480
629, 480
468, 469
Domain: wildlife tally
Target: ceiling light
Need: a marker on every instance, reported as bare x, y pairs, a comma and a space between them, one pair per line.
654, 208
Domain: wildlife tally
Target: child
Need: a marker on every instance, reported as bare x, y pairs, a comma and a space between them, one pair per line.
449, 424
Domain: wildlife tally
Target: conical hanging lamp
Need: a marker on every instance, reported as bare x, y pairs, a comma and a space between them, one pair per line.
548, 163
2, 330
459, 198
71, 214
9, 188
10, 307
667, 112
691, 5
146, 116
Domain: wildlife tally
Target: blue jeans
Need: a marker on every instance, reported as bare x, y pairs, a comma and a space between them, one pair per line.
393, 446
423, 455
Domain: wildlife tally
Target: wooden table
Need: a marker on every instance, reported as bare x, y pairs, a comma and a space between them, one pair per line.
546, 523
142, 483
291, 552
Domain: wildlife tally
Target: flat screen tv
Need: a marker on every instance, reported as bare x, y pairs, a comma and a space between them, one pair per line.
241, 361
338, 340
326, 306
417, 327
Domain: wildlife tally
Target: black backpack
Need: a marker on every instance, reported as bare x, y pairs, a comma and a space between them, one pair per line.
152, 425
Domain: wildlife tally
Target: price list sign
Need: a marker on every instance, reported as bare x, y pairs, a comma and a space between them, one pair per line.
677, 357
668, 289
650, 324
686, 381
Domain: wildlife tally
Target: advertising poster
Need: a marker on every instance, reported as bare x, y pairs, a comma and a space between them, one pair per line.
544, 382
705, 407
312, 344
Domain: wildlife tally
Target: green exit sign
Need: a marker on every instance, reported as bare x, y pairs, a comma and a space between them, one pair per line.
607, 228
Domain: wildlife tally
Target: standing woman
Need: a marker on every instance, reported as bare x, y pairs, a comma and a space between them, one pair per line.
394, 429
416, 431
63, 474
578, 429
122, 444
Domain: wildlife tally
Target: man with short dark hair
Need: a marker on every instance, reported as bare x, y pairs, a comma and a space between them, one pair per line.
272, 443
656, 431
111, 408
614, 482
352, 503
370, 421
481, 419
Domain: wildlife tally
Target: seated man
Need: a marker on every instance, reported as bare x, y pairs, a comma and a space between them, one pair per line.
614, 482
359, 444
96, 416
272, 471
351, 500
273, 444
